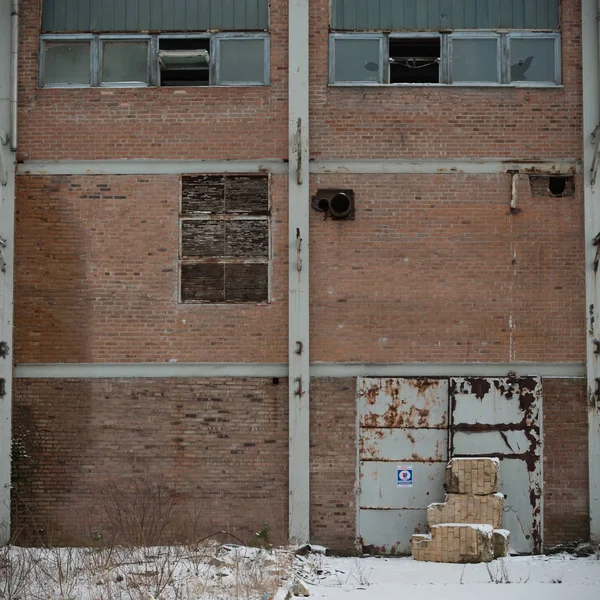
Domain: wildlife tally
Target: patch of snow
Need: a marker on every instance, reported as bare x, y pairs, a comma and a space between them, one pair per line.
478, 526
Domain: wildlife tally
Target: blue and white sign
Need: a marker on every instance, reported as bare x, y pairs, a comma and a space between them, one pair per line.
405, 476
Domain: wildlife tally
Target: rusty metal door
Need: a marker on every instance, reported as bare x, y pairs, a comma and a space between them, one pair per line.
501, 417
402, 422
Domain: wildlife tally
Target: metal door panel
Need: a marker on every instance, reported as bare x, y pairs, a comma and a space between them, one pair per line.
490, 442
402, 422
403, 402
501, 417
389, 531
397, 444
379, 489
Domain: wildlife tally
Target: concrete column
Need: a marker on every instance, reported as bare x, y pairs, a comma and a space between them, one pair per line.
591, 145
299, 380
7, 197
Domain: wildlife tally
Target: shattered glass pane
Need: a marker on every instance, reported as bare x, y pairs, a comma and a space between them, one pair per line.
67, 62
532, 60
357, 60
125, 62
475, 60
242, 61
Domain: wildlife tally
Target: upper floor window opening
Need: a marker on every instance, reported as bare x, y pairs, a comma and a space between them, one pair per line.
122, 60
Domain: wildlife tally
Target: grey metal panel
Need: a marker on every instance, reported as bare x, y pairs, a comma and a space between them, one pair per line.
421, 445
445, 14
501, 417
403, 402
156, 15
389, 531
490, 442
379, 489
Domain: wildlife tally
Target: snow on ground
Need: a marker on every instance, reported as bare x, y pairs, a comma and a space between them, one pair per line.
230, 572
514, 578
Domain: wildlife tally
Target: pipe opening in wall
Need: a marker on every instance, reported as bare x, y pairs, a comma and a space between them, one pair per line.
557, 185
340, 205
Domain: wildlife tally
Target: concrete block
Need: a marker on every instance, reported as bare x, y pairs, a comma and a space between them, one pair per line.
501, 539
479, 476
468, 508
455, 543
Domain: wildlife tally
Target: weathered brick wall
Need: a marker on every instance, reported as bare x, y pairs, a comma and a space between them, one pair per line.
566, 494
435, 268
219, 446
96, 278
443, 122
188, 123
333, 448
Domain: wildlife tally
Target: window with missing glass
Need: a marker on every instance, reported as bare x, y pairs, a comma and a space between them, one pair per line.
86, 60
224, 239
520, 58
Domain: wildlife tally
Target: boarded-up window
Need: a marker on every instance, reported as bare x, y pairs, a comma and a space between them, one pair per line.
224, 250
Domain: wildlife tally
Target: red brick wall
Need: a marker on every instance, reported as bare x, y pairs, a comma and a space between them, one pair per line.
218, 445
566, 493
425, 272
96, 278
446, 122
333, 464
187, 123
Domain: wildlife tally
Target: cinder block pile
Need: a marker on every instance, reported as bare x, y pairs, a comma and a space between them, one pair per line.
466, 528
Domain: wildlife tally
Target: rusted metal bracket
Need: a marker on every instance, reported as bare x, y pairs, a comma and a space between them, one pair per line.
4, 349
299, 348
2, 263
2, 388
299, 174
596, 161
298, 249
298, 391
596, 242
596, 346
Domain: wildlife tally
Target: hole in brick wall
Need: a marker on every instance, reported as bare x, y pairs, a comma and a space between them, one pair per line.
557, 186
275, 380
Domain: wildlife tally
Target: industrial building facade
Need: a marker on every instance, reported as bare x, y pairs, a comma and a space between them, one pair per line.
176, 162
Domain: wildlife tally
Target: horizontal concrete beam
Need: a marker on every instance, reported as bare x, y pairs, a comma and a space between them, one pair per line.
317, 370
278, 166
150, 167
448, 167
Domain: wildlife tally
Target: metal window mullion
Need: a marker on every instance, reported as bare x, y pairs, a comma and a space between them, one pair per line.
384, 59
446, 59
95, 61
504, 58
153, 70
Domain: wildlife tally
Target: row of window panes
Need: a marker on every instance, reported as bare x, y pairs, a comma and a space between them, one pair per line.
486, 58
91, 60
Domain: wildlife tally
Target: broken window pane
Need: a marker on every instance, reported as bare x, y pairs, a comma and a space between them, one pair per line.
125, 62
475, 60
241, 61
533, 59
415, 60
184, 61
67, 63
357, 60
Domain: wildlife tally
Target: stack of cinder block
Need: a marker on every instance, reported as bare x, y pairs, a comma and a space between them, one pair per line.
466, 528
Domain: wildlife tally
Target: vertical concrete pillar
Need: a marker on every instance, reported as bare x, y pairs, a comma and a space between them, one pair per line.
7, 197
591, 175
298, 190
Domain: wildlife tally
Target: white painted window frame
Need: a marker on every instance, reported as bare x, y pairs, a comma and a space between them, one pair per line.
503, 65
96, 42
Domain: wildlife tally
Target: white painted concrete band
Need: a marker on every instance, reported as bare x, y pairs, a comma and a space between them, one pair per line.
317, 370
475, 166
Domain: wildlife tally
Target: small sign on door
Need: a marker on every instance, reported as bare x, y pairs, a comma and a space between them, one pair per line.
405, 476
